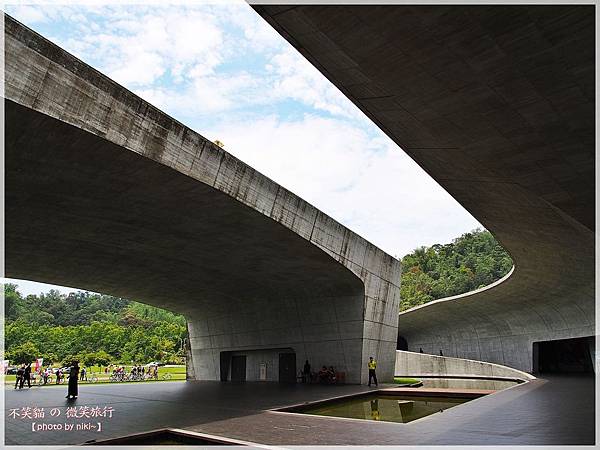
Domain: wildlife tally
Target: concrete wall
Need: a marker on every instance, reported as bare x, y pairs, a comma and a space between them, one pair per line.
254, 359
170, 219
497, 104
412, 364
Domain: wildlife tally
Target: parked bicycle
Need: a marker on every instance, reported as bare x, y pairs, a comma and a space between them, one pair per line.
93, 378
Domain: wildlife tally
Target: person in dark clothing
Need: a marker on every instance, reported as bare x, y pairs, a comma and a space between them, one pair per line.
441, 354
420, 350
323, 375
20, 373
73, 378
26, 376
306, 372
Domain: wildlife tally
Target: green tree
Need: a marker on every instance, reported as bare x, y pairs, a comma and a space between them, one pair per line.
99, 358
14, 304
471, 261
84, 325
24, 353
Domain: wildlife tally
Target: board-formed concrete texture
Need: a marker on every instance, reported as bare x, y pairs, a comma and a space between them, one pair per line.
105, 192
415, 364
496, 103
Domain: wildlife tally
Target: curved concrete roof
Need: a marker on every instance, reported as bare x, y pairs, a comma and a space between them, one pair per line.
107, 193
496, 103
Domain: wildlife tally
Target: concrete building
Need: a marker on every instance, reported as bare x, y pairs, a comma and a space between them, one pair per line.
105, 192
496, 103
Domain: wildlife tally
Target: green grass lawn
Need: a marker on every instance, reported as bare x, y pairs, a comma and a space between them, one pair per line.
177, 374
398, 380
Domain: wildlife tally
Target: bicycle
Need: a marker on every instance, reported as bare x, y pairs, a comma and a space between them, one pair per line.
133, 377
93, 378
116, 378
166, 376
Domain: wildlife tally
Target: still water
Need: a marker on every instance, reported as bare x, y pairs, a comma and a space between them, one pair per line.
387, 408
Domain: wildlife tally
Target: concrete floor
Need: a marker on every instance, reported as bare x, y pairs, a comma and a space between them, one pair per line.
550, 411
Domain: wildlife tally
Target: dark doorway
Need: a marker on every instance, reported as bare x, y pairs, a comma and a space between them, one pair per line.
224, 366
287, 367
238, 368
401, 344
564, 356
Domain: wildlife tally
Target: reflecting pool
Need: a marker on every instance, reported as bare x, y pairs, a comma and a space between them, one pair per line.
387, 408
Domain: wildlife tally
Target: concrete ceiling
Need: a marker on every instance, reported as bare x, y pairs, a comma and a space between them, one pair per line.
82, 212
496, 103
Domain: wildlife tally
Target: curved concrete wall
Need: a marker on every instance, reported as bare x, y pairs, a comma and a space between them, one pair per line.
413, 364
496, 103
107, 193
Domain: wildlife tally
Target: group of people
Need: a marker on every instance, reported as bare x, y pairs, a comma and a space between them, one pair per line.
327, 376
324, 376
25, 375
137, 372
330, 376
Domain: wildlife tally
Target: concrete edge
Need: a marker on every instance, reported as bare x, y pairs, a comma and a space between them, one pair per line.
520, 374
460, 296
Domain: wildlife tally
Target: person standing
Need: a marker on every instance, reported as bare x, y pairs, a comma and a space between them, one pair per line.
73, 378
306, 372
372, 365
26, 376
19, 379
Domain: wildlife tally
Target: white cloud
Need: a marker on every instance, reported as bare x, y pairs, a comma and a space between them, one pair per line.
30, 14
138, 50
364, 181
141, 68
205, 95
187, 61
295, 78
259, 36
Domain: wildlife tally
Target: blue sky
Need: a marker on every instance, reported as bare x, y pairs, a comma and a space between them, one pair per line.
224, 72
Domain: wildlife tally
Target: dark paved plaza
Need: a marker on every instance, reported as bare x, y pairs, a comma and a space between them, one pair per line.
550, 411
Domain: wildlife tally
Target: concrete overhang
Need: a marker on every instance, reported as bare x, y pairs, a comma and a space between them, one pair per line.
496, 103
105, 192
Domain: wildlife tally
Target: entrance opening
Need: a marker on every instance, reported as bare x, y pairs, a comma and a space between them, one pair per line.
401, 344
238, 368
273, 364
287, 367
574, 355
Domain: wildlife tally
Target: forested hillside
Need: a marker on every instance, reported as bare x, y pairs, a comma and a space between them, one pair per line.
471, 261
96, 329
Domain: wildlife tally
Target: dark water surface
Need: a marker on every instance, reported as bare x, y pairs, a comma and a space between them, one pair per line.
387, 408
